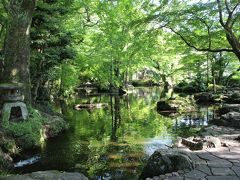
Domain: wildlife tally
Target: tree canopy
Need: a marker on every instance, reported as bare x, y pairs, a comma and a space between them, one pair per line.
114, 43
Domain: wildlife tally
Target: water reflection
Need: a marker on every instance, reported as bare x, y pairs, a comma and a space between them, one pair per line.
115, 141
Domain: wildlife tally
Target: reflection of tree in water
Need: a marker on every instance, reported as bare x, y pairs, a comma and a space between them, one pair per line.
117, 158
114, 135
116, 116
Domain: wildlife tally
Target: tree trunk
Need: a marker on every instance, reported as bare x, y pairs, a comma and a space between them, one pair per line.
17, 45
233, 41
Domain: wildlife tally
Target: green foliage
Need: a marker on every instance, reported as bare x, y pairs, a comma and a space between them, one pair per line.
107, 43
9, 145
28, 132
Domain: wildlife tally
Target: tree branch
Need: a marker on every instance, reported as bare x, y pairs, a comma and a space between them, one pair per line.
227, 7
220, 13
235, 7
197, 48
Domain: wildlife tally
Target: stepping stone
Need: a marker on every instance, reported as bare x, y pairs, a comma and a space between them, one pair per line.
205, 169
207, 156
222, 178
220, 164
196, 159
236, 169
195, 174
222, 172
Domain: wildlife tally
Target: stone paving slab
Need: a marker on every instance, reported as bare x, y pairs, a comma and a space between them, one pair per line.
236, 169
195, 174
222, 178
222, 172
237, 164
205, 169
220, 164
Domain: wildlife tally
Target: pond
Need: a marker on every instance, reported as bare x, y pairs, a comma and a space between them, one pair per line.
112, 142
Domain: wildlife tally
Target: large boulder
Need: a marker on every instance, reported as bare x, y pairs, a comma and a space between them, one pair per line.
166, 161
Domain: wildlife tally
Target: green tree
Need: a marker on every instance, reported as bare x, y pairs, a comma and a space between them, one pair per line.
50, 47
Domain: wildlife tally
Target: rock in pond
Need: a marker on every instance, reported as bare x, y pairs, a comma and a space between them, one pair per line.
48, 175
175, 105
165, 108
204, 97
166, 161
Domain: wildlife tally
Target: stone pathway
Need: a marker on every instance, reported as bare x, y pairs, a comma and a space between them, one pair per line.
212, 164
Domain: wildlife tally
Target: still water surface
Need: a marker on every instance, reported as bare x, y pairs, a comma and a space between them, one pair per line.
112, 142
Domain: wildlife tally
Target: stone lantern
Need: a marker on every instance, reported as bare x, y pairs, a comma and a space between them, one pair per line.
11, 103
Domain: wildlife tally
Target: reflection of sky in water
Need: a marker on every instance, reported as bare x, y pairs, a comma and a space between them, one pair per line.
157, 143
192, 122
29, 161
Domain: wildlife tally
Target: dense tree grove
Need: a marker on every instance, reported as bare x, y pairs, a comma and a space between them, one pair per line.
116, 43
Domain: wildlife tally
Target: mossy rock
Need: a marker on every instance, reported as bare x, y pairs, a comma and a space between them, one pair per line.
166, 161
54, 125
